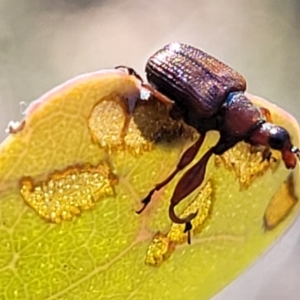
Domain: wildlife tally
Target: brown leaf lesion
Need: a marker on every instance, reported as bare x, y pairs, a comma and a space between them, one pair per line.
281, 204
114, 129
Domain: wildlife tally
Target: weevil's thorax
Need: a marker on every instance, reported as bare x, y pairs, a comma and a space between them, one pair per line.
240, 116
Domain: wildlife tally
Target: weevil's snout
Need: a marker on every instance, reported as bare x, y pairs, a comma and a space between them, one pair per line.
279, 139
289, 156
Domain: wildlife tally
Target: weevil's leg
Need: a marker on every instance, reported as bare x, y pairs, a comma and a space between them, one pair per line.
266, 113
267, 155
186, 185
185, 159
158, 95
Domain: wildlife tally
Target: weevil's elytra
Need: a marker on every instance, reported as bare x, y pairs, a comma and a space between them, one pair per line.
209, 95
193, 78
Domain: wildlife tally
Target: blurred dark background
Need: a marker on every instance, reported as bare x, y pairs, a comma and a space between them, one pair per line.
43, 43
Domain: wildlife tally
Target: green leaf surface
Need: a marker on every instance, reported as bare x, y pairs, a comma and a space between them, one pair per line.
100, 253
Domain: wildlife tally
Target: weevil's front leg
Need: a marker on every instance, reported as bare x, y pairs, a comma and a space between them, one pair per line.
267, 155
185, 159
186, 185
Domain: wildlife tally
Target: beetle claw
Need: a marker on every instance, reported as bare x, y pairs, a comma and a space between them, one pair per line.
145, 201
187, 220
187, 229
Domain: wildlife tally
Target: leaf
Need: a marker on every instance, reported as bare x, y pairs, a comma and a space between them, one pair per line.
73, 174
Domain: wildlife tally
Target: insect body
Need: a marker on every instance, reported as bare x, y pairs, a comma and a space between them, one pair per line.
209, 95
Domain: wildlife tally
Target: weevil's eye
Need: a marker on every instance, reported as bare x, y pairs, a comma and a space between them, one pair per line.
278, 137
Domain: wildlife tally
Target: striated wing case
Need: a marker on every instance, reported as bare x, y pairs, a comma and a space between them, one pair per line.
192, 78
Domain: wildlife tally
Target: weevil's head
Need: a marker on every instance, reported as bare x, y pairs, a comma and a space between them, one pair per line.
276, 138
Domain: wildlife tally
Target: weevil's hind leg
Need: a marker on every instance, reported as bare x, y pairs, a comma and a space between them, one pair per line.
186, 185
185, 159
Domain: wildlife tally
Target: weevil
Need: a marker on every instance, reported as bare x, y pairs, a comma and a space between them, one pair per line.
208, 95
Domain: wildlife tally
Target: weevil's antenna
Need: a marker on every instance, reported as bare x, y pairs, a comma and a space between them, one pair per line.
296, 151
131, 71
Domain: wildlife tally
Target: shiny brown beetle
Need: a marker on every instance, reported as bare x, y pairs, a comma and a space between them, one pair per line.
209, 95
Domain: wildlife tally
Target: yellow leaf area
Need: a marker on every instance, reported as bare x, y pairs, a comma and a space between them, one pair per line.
72, 177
